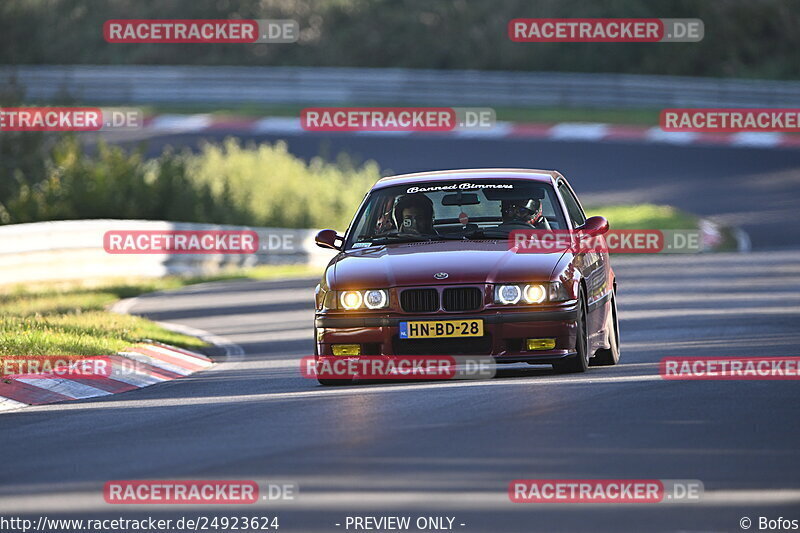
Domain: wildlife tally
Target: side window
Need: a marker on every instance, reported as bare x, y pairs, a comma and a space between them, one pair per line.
573, 209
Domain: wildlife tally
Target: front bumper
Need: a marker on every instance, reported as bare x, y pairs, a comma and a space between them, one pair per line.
505, 332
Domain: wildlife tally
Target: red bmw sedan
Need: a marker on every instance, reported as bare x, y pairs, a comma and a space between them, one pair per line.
427, 267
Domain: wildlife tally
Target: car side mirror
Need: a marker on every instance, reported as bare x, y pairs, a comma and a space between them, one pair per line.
594, 226
327, 239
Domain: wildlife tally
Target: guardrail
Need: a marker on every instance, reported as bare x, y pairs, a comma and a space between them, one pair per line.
73, 249
134, 84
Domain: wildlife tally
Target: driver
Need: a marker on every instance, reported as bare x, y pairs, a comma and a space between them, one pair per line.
523, 212
413, 213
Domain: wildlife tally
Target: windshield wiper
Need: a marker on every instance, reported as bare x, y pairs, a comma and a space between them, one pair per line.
487, 233
396, 237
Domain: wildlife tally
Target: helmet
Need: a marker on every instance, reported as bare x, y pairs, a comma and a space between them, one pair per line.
522, 210
419, 222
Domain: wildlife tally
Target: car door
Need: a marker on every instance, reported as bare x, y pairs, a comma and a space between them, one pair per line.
595, 268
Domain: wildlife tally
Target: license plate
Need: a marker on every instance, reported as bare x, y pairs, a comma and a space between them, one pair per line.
441, 329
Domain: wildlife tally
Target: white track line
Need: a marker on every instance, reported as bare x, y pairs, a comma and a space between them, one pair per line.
152, 361
233, 352
67, 387
578, 131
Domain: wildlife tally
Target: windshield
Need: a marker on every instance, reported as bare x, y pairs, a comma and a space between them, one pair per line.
458, 210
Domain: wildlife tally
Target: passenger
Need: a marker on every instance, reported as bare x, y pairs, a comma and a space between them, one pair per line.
413, 213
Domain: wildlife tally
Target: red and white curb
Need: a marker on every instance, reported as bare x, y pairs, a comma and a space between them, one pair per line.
141, 366
565, 131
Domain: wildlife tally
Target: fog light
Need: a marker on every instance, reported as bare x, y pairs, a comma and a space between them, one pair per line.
346, 349
541, 344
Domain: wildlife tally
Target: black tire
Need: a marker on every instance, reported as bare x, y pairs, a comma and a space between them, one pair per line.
580, 361
609, 356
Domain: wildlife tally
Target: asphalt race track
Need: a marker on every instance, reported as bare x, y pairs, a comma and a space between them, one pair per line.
451, 448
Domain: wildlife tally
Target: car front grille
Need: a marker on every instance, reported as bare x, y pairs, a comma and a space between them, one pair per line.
419, 300
462, 299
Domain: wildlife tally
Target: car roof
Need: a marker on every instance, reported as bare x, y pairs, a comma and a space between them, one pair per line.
544, 176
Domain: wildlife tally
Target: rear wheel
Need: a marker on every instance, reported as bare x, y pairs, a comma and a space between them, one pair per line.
609, 356
580, 361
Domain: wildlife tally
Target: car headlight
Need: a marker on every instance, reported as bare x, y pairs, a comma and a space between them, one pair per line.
376, 299
531, 293
534, 294
351, 299
371, 299
507, 294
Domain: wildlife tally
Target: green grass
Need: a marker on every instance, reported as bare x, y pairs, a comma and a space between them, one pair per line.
74, 323
644, 216
72, 319
646, 117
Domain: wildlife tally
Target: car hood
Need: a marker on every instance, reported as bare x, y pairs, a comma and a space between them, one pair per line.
465, 262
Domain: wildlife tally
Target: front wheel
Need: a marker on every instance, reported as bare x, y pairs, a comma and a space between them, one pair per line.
609, 356
580, 361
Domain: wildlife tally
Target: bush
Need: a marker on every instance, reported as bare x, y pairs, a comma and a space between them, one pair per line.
275, 188
259, 185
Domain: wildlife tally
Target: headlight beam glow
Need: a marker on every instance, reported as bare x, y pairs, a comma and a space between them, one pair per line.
351, 299
534, 294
